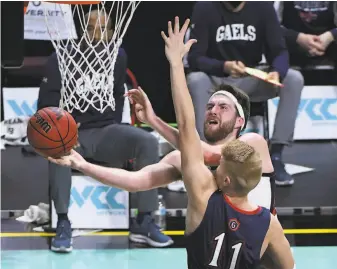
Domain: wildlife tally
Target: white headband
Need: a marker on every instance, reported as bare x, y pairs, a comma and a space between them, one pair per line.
235, 101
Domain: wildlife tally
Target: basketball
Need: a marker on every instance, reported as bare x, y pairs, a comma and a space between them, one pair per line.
52, 132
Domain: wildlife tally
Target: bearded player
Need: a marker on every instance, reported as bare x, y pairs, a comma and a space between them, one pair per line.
220, 128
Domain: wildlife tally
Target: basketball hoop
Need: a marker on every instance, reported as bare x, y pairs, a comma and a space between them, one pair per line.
88, 72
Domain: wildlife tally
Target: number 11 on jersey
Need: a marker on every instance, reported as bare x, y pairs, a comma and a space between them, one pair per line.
236, 247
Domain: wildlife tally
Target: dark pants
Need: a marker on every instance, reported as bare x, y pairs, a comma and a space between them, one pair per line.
114, 144
300, 57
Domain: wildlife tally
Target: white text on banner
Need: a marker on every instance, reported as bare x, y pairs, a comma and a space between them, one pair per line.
59, 17
316, 115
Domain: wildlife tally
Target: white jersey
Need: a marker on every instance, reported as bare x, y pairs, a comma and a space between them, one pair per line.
262, 194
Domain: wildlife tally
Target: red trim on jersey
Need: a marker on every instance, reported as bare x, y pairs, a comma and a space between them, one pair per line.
274, 212
211, 158
253, 212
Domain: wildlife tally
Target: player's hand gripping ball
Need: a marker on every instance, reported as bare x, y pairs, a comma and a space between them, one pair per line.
52, 132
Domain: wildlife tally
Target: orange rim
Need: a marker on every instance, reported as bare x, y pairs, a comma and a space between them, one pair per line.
64, 2
25, 5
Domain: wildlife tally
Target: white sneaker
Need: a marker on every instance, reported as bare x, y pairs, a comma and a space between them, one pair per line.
177, 186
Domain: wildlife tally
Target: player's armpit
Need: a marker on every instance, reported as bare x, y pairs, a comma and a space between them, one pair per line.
278, 246
212, 154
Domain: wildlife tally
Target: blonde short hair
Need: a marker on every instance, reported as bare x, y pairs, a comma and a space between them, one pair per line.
243, 166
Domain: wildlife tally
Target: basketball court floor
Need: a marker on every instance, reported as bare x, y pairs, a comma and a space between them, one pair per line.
306, 257
21, 249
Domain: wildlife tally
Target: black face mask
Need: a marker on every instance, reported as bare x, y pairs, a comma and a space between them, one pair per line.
235, 4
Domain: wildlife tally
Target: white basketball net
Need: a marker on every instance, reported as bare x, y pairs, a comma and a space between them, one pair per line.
88, 74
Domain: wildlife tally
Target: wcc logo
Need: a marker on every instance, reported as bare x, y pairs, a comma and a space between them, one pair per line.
318, 110
101, 197
23, 108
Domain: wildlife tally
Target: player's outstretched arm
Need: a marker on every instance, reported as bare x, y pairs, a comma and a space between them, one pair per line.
278, 247
150, 177
198, 179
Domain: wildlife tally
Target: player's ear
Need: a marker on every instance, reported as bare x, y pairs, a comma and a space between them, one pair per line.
239, 122
227, 181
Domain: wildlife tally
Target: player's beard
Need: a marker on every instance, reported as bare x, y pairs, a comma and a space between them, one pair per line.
213, 135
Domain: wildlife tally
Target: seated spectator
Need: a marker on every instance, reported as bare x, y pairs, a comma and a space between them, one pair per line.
310, 30
102, 138
231, 36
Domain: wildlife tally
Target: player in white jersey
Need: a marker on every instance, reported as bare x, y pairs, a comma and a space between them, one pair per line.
219, 129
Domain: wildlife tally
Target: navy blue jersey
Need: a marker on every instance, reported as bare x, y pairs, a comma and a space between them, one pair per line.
227, 237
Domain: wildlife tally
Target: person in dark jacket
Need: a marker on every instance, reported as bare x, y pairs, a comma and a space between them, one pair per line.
310, 30
103, 138
231, 36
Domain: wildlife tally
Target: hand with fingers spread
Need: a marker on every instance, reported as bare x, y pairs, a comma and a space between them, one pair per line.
175, 48
73, 160
234, 68
143, 107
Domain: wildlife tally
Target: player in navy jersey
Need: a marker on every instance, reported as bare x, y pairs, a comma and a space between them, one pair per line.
224, 230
